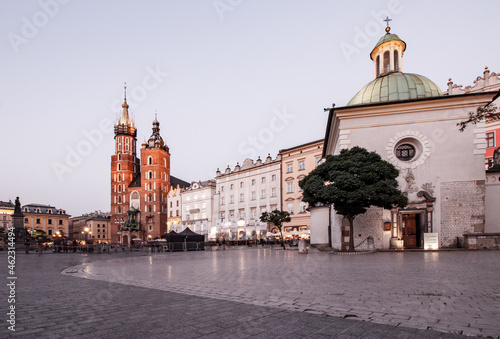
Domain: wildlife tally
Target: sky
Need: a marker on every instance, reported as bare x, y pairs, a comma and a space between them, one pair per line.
228, 79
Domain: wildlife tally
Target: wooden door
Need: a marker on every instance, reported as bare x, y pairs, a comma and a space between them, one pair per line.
410, 230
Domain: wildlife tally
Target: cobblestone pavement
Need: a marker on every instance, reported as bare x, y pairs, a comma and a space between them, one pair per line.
263, 293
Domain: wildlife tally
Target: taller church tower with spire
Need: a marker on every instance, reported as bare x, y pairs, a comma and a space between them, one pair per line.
138, 198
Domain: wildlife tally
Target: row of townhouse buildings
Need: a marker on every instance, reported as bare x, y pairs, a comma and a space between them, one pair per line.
232, 203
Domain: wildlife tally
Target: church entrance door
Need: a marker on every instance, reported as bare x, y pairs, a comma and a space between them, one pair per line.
411, 230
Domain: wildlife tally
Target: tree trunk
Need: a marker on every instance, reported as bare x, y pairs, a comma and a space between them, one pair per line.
351, 234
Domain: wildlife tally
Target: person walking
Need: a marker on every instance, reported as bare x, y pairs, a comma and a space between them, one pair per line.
27, 244
40, 246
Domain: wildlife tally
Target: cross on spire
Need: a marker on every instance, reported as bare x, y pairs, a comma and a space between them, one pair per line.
387, 29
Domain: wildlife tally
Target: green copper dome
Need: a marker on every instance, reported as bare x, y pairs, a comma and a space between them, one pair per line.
394, 87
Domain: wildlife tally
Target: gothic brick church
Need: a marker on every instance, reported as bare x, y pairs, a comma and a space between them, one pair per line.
139, 187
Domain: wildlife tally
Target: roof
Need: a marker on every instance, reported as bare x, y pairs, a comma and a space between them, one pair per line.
44, 209
7, 204
386, 38
396, 86
136, 182
299, 146
174, 181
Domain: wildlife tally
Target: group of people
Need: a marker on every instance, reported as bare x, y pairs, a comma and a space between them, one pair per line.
60, 245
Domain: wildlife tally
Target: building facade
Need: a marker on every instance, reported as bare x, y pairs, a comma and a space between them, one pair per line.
197, 202
406, 119
243, 194
46, 218
139, 187
6, 211
174, 202
296, 163
95, 226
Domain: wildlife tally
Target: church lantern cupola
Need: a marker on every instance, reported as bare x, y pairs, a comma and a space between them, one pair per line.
387, 55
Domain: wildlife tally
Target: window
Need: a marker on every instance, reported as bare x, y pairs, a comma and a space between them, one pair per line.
396, 61
302, 207
203, 215
405, 152
302, 165
253, 182
231, 199
289, 187
241, 184
263, 180
177, 213
222, 189
49, 221
222, 201
378, 65
273, 192
171, 213
263, 194
60, 222
150, 160
195, 197
242, 197
253, 213
289, 168
490, 139
170, 204
187, 207
387, 62
318, 161
231, 214
231, 187
119, 157
26, 220
50, 232
242, 214
38, 221
203, 205
273, 177
254, 195
177, 203
289, 207
119, 167
222, 215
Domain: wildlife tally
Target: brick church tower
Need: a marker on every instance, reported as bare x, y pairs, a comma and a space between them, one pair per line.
155, 159
138, 198
125, 167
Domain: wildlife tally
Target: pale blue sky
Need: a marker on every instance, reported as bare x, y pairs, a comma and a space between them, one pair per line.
218, 72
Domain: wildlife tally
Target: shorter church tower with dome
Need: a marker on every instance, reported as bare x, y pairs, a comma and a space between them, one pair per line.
409, 122
139, 186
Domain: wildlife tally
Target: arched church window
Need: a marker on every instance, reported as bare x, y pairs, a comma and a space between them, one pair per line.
396, 61
150, 198
150, 208
119, 156
119, 177
150, 160
119, 199
405, 152
119, 167
150, 174
378, 65
387, 62
119, 188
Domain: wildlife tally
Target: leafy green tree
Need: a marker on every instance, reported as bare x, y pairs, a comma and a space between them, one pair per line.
277, 218
353, 181
487, 113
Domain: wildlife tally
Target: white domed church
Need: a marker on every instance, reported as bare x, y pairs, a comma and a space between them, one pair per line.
412, 124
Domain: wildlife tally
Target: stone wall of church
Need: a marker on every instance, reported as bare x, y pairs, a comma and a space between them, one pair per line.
462, 210
365, 225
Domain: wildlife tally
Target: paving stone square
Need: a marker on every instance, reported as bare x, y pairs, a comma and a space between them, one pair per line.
255, 292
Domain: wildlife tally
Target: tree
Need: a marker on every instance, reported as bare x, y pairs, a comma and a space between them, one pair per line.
487, 113
277, 218
353, 181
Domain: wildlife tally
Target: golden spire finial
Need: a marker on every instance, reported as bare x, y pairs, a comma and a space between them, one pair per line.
125, 96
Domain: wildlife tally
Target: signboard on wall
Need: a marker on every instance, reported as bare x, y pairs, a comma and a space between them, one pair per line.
431, 241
